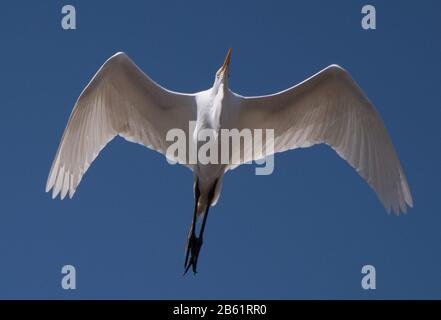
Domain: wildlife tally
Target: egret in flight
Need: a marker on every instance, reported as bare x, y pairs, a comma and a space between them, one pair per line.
329, 107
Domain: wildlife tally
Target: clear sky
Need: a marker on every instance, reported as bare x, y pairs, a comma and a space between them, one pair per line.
303, 232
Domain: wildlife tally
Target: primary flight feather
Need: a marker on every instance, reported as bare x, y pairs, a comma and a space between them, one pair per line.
328, 107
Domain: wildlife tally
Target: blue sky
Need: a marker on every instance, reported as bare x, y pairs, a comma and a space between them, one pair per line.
303, 232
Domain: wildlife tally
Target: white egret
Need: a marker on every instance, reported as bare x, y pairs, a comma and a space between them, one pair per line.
328, 107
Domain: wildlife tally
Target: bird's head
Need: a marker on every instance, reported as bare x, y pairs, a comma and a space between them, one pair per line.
222, 73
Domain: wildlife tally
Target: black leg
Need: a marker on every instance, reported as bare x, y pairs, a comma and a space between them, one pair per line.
192, 235
195, 243
199, 241
210, 199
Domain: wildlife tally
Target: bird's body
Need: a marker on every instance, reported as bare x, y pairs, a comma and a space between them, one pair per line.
329, 108
209, 110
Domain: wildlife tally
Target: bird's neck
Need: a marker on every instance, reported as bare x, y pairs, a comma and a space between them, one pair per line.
220, 87
219, 98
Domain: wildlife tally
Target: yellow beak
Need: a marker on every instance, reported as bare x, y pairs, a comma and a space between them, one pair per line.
226, 61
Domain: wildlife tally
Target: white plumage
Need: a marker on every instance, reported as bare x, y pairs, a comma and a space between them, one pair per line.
329, 108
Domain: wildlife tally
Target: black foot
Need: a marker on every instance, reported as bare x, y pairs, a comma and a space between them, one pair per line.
194, 245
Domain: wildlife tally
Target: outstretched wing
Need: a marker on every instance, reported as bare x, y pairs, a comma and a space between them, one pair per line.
331, 108
120, 99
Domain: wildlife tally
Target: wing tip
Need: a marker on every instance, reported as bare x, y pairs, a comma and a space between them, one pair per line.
48, 188
70, 191
401, 209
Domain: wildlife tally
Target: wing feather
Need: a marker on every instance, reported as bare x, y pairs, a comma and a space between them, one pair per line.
120, 99
331, 108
